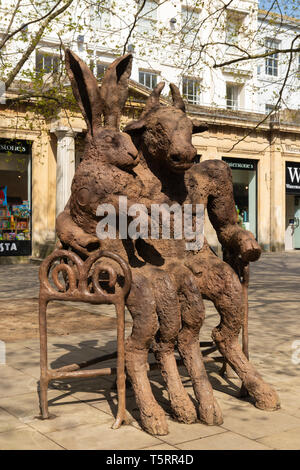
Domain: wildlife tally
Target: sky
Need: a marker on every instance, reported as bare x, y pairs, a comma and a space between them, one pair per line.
288, 7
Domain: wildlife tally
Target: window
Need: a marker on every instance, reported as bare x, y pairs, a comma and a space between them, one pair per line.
271, 63
101, 68
189, 23
146, 23
232, 96
148, 79
269, 108
15, 193
244, 178
191, 90
47, 63
233, 28
101, 15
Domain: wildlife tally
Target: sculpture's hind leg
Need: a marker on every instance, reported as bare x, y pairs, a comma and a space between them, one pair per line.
219, 283
168, 310
141, 304
193, 313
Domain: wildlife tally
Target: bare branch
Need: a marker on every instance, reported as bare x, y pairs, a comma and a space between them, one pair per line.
7, 37
34, 43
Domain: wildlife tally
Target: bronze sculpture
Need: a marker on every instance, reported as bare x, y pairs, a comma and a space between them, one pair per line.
165, 299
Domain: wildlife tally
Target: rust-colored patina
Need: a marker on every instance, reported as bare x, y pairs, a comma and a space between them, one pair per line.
168, 283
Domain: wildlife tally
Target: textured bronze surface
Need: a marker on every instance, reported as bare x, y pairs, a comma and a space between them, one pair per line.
168, 283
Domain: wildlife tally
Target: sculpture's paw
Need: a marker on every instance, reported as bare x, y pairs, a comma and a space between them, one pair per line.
268, 400
248, 247
154, 420
211, 413
184, 410
84, 239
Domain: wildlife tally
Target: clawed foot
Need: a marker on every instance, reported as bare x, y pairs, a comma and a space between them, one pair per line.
210, 413
268, 400
154, 420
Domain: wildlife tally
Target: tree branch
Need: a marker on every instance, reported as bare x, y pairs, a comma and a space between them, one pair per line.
34, 43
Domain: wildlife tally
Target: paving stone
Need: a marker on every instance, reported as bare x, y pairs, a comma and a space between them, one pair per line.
254, 423
161, 447
179, 432
286, 440
25, 407
14, 382
224, 441
69, 415
9, 422
103, 437
26, 439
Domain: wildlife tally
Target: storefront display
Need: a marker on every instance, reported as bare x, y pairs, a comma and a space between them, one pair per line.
292, 205
244, 175
15, 198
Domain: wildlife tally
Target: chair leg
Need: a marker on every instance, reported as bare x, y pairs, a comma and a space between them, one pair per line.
121, 378
44, 380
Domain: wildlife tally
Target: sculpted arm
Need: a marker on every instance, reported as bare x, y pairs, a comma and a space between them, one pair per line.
210, 183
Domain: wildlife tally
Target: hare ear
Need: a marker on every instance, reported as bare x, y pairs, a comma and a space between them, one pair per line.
114, 89
85, 89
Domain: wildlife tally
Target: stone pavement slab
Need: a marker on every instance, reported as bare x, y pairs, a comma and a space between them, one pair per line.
101, 436
287, 440
224, 441
26, 439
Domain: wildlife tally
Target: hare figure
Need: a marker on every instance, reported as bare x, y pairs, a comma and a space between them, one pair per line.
105, 173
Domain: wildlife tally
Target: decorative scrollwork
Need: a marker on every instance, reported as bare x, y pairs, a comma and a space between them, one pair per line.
82, 279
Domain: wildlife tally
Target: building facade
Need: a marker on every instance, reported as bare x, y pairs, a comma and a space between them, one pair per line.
37, 163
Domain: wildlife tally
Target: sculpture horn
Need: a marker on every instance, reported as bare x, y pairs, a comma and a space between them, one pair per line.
177, 98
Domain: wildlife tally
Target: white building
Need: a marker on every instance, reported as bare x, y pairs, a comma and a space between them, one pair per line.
178, 42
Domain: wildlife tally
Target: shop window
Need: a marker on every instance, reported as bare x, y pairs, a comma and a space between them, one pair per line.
191, 90
148, 79
15, 196
244, 176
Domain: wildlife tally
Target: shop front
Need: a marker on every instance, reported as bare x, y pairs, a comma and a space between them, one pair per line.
292, 222
15, 198
244, 176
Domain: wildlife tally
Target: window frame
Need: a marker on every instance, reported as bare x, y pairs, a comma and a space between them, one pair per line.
147, 24
50, 71
103, 21
187, 19
272, 61
235, 102
186, 82
151, 76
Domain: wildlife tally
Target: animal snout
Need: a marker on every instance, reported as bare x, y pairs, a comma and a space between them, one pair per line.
185, 155
176, 158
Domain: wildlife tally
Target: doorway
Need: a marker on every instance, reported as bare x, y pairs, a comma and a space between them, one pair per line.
292, 226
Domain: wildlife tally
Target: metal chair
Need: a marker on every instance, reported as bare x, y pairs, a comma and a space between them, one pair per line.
75, 279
